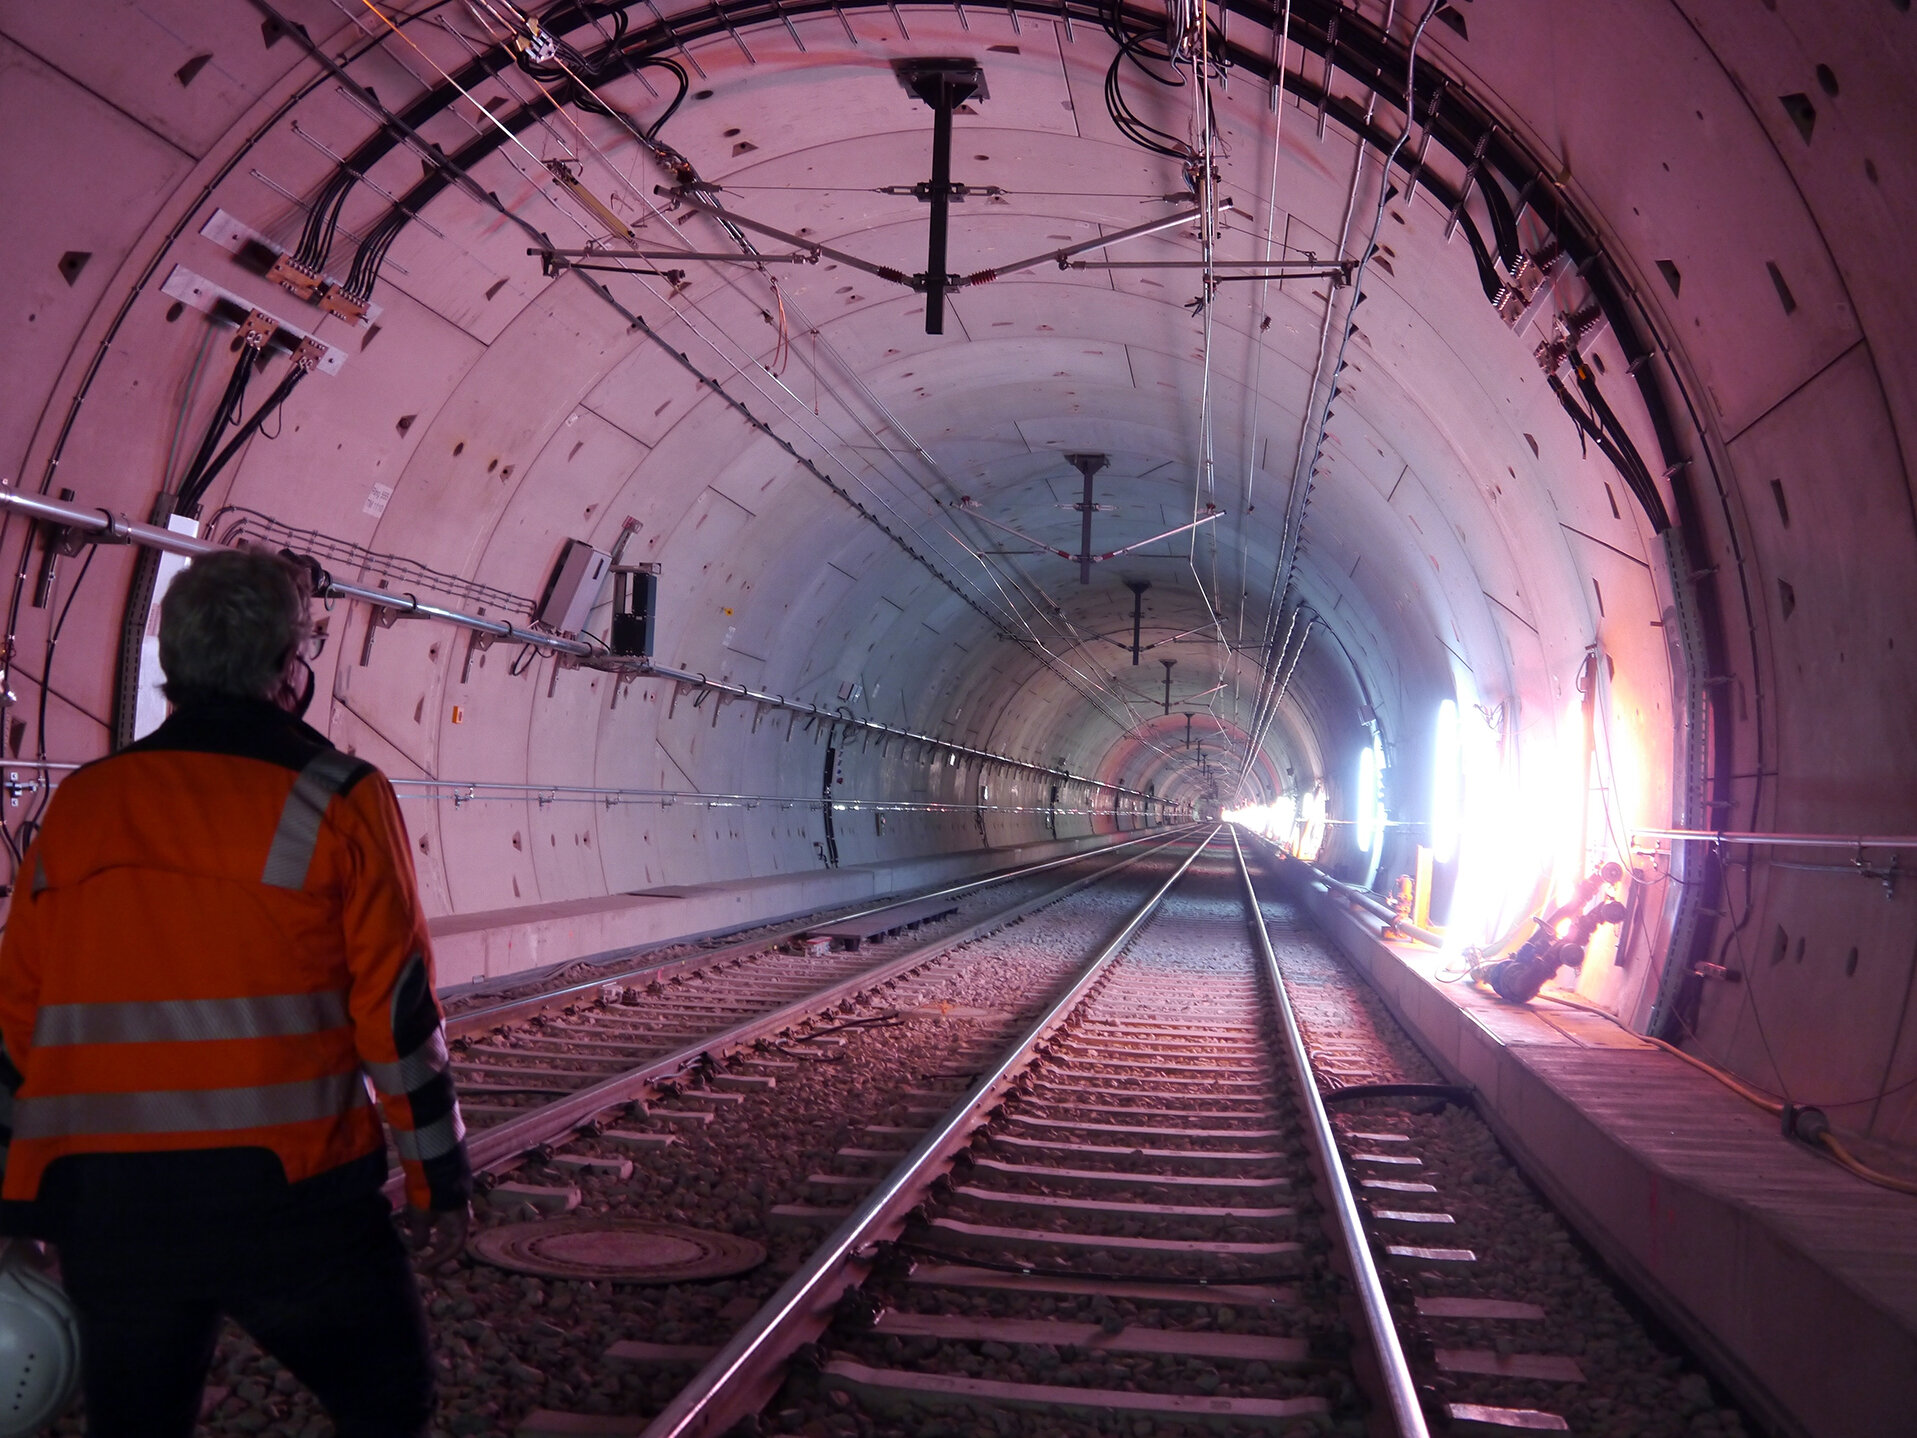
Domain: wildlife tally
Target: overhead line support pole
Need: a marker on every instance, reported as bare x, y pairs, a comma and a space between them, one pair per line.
944, 85
1087, 465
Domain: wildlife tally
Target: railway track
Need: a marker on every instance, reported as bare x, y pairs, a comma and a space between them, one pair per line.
1128, 1183
1152, 1213
1095, 1173
534, 1068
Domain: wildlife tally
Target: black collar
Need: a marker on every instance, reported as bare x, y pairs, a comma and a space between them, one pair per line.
247, 728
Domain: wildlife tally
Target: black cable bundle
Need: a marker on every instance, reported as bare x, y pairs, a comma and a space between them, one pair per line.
207, 464
1636, 473
602, 64
1145, 48
371, 253
1488, 275
1601, 424
1504, 224
322, 221
232, 404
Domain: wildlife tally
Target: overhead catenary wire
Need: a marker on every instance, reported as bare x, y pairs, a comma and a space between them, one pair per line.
682, 172
1309, 455
464, 181
1260, 308
1074, 679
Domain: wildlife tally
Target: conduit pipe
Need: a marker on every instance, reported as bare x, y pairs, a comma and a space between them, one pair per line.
1370, 901
799, 706
1375, 905
1799, 841
466, 791
108, 527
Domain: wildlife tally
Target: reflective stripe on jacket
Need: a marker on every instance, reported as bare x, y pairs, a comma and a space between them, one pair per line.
220, 945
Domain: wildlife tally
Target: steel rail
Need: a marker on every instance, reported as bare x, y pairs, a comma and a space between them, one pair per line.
741, 1376
1394, 1372
472, 1020
489, 1147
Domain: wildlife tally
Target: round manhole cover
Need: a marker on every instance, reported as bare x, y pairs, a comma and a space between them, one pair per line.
626, 1251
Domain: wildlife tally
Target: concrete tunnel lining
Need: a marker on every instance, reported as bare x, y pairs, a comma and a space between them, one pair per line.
1460, 538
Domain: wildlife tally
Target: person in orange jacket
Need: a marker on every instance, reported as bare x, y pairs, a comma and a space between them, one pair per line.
215, 942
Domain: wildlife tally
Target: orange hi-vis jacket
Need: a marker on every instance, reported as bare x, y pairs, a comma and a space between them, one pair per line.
214, 942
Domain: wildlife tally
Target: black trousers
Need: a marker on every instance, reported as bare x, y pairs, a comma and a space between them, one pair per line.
328, 1291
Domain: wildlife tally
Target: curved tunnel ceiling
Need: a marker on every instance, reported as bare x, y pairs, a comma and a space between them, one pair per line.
952, 441
1394, 504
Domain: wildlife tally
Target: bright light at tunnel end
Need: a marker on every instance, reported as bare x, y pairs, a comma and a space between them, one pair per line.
1275, 821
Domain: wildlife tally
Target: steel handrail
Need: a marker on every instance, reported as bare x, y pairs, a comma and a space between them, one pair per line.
1394, 1372
489, 1147
118, 528
721, 1392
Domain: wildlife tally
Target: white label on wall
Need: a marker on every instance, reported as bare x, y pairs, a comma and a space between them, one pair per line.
149, 703
376, 500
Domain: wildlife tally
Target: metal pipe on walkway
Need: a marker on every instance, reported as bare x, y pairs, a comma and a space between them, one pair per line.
1372, 904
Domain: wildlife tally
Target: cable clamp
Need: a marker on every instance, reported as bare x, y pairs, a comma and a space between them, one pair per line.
537, 45
257, 328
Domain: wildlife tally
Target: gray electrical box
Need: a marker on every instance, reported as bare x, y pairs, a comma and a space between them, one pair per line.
574, 587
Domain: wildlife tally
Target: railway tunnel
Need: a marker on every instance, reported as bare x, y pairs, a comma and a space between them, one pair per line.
769, 457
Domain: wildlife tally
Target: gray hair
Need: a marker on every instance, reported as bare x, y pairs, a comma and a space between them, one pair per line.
230, 624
